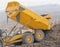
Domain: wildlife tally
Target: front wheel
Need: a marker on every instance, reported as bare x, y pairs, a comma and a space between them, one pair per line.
1, 43
39, 35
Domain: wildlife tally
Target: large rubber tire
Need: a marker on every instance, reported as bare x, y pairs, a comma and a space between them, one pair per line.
42, 35
1, 33
25, 36
1, 43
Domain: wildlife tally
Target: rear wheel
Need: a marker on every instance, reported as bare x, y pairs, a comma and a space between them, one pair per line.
28, 38
39, 35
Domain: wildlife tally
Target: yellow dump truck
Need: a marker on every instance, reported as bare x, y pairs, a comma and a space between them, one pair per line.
33, 24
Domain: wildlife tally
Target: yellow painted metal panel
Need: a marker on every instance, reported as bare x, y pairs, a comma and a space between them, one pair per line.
16, 37
38, 21
16, 41
13, 15
12, 6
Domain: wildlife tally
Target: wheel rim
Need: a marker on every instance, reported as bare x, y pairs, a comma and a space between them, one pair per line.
29, 39
40, 35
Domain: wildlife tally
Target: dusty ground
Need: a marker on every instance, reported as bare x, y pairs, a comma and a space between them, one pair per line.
52, 39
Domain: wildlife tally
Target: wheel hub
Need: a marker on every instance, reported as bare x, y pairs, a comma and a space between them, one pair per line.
29, 38
39, 35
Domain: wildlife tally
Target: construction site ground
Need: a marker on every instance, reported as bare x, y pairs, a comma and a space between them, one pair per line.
52, 39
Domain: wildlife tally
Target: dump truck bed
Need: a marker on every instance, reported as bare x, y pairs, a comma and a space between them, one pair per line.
38, 22
29, 18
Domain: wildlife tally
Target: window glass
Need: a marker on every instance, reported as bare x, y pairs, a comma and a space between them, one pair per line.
21, 8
